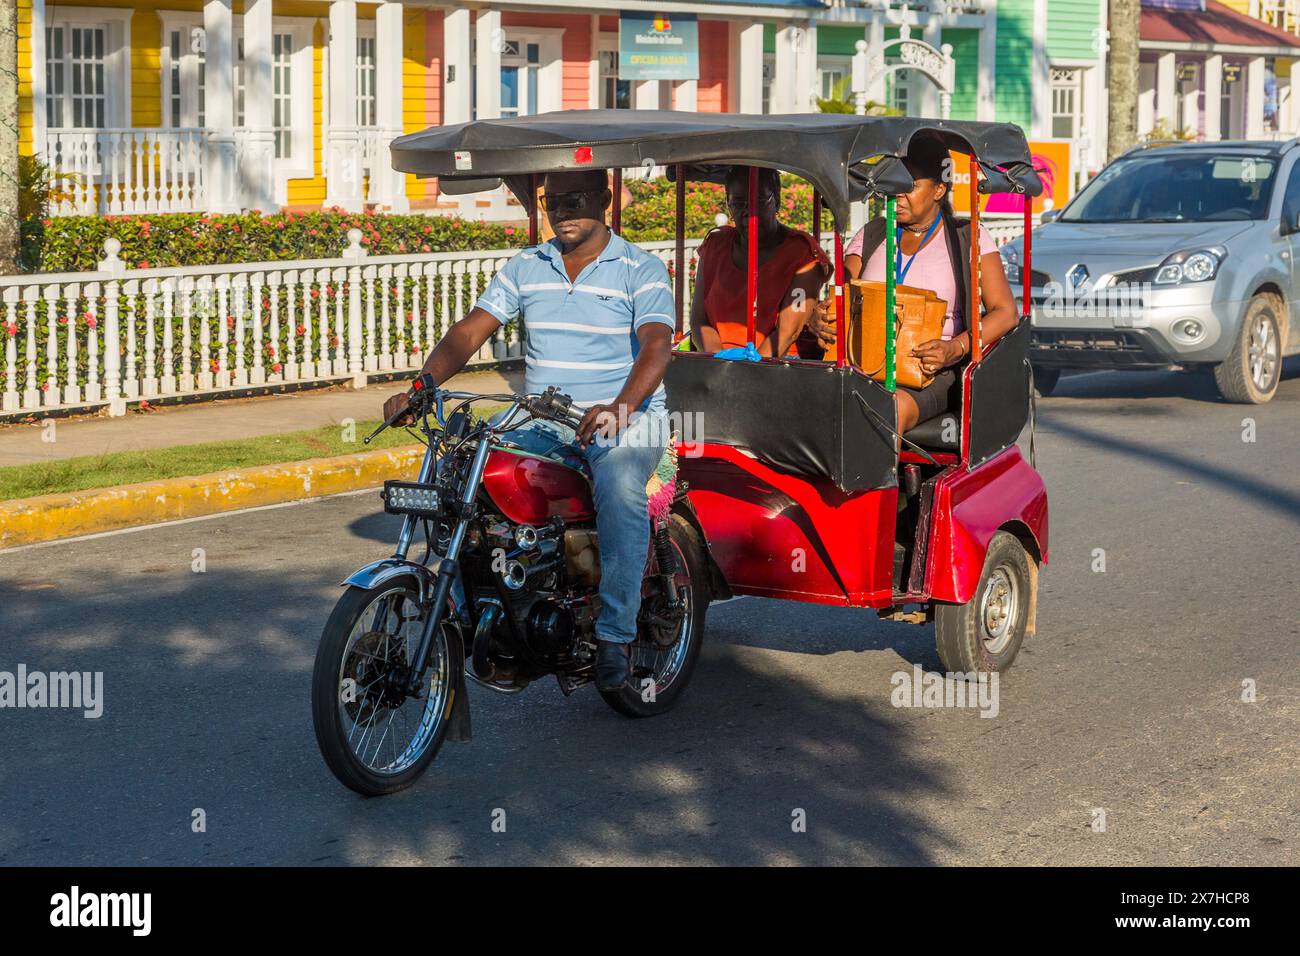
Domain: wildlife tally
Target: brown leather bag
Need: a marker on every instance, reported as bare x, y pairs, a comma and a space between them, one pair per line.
918, 318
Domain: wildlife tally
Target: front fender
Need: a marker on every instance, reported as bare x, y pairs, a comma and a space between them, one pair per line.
377, 572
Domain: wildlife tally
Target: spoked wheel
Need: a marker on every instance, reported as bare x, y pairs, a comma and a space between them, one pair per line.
374, 734
986, 632
1251, 372
668, 643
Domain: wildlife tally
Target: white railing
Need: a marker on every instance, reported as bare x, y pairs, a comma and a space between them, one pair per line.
119, 171
116, 335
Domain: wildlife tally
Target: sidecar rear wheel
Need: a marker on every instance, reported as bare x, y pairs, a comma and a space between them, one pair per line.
660, 674
373, 739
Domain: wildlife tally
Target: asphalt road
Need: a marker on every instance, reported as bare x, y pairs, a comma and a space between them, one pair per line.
1127, 702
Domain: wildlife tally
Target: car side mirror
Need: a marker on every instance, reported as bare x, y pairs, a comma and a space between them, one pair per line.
1049, 216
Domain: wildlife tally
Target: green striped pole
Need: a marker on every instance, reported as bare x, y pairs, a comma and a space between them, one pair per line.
890, 281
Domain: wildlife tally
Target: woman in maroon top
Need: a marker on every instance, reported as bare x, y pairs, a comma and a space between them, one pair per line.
791, 271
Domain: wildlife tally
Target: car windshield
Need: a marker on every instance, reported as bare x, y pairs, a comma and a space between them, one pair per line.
1201, 187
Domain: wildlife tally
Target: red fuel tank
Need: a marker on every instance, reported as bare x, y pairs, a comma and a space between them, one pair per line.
531, 490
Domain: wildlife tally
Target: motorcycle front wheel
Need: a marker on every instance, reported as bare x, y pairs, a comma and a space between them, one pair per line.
375, 737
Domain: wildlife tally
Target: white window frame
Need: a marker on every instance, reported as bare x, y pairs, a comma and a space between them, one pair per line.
607, 45
366, 31
116, 25
301, 163
828, 63
550, 64
1075, 87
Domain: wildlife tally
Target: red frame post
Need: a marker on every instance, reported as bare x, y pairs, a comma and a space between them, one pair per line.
751, 259
616, 210
532, 209
973, 316
679, 227
1025, 277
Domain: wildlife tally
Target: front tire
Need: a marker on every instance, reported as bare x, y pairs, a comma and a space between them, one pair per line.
660, 674
1251, 372
374, 738
986, 632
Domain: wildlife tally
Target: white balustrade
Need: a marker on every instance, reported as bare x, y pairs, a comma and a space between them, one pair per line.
120, 171
119, 335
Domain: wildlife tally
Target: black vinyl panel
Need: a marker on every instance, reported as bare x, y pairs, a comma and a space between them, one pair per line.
803, 418
1000, 395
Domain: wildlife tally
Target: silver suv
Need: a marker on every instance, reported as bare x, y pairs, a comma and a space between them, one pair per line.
1180, 254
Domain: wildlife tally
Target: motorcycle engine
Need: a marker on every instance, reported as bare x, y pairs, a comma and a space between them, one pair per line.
549, 629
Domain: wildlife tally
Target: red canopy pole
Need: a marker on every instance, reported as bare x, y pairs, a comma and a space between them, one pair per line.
841, 345
1028, 260
532, 209
616, 212
751, 265
679, 287
973, 320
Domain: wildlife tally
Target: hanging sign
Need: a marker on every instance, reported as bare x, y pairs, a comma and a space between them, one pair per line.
661, 47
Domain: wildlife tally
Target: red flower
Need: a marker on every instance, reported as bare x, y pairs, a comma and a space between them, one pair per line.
216, 366
315, 293
90, 322
424, 248
144, 264
279, 225
428, 229
510, 230
12, 329
311, 232
63, 320
230, 321
270, 351
235, 228
301, 329
410, 317
277, 367
334, 342
45, 387
329, 290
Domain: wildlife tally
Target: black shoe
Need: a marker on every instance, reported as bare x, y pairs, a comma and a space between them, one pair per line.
613, 665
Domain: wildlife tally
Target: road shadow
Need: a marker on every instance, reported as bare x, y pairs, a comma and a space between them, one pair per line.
1197, 386
207, 690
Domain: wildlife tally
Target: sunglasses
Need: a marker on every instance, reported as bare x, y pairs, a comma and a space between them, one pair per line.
552, 202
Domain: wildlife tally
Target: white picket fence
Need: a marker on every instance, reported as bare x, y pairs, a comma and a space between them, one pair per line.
119, 335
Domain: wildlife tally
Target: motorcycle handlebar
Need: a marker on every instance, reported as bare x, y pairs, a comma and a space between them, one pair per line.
551, 404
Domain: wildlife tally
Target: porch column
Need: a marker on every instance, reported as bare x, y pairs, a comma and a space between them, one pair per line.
257, 165
785, 84
749, 66
1165, 80
1255, 97
987, 108
593, 65
387, 186
809, 84
343, 155
1040, 84
457, 66
647, 95
219, 94
38, 78
685, 93
490, 41
1213, 84
931, 34
874, 35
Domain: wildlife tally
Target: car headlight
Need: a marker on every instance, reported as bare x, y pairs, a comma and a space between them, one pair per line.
1194, 265
1010, 264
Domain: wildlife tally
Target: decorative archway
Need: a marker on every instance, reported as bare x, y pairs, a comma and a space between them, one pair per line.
871, 68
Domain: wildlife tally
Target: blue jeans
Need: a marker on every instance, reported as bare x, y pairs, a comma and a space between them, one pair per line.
619, 472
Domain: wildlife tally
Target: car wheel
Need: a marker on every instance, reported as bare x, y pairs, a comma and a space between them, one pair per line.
1252, 370
1045, 379
986, 632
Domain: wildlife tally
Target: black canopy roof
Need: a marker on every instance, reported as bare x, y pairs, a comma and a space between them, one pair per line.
845, 156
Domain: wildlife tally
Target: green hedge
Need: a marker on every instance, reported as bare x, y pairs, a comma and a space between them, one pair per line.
76, 243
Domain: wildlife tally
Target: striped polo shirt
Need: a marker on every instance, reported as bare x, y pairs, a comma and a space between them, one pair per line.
582, 335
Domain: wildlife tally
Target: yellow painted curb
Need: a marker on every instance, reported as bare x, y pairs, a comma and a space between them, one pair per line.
49, 517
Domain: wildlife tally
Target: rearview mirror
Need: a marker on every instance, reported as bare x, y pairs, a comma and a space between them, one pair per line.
1049, 215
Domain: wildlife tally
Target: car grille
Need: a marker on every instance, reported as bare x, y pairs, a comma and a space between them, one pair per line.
1081, 340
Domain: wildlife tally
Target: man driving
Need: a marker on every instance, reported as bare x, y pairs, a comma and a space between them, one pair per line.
599, 316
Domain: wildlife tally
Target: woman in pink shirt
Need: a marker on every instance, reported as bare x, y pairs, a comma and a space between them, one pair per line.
928, 257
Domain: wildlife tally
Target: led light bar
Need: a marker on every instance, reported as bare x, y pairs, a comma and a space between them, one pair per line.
411, 498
